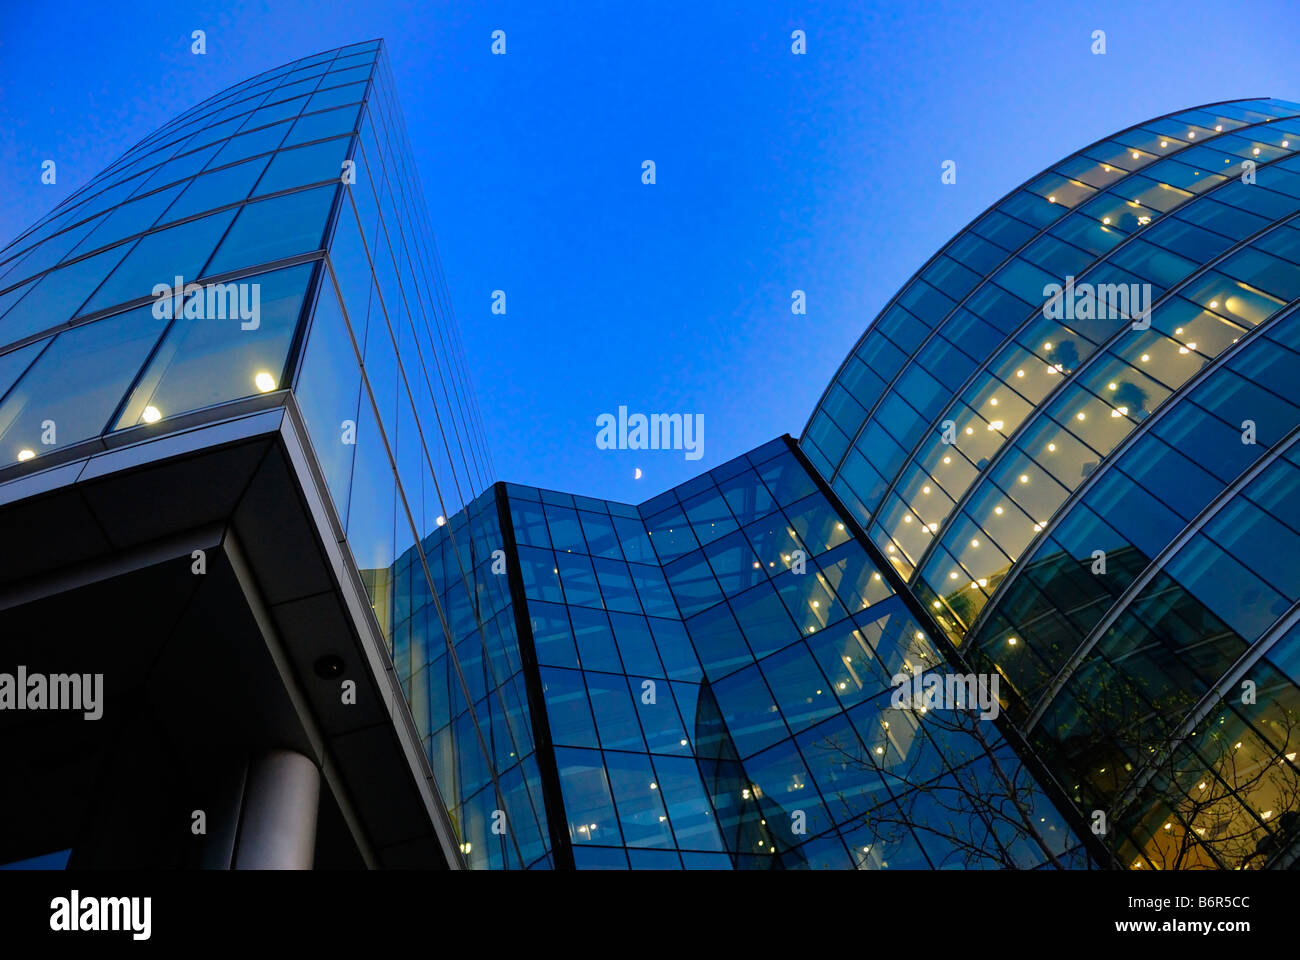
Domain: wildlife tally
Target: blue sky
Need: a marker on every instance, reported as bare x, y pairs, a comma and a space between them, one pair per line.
775, 172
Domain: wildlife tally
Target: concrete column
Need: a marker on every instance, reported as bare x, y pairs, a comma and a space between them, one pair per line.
277, 826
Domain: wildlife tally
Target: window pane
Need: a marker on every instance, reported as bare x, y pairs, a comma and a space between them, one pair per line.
55, 298
296, 168
217, 189
207, 361
271, 229
70, 393
159, 258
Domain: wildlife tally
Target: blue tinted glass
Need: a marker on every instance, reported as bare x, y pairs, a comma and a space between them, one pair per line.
13, 363
160, 257
251, 144
70, 393
587, 801
54, 300
751, 714
328, 391
595, 640
182, 168
801, 691
216, 189
318, 126
304, 165
689, 809
130, 218
207, 359
635, 645
337, 96
567, 711
639, 800
271, 229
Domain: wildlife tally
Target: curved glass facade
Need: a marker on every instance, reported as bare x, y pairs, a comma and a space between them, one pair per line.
1072, 433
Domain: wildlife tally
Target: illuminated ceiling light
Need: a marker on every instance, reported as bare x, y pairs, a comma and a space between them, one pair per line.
1192, 345
1218, 128
1106, 167
933, 527
947, 459
1051, 448
1164, 143
974, 585
1047, 346
1182, 349
998, 511
1286, 143
935, 604
1214, 305
1024, 478
1111, 386
1038, 527
151, 415
441, 520
1012, 641
26, 454
925, 489
907, 518
983, 582
996, 425
1080, 416
653, 785
1114, 413
683, 743
1105, 220
1051, 199
839, 526
880, 751
974, 543
1176, 330
875, 576
1135, 154
1020, 373
993, 401
890, 548
1255, 151
1191, 134
1146, 357
264, 381
953, 575
970, 430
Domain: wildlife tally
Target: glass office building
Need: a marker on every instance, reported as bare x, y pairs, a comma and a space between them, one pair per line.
265, 258
1073, 433
709, 680
231, 380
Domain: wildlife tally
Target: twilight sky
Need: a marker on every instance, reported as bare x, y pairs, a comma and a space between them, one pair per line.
775, 172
